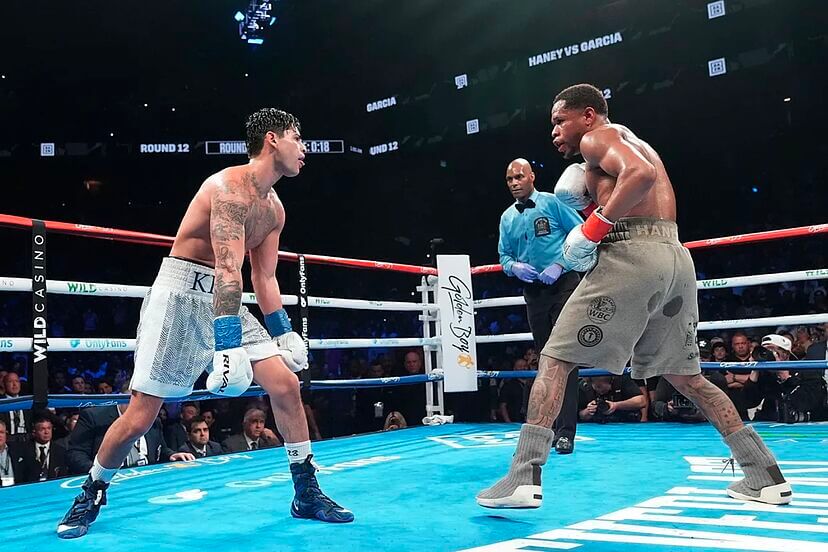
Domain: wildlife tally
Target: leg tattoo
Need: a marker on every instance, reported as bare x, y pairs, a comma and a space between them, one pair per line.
712, 401
548, 391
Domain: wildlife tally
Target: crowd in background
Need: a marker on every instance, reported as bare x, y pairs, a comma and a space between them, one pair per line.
50, 444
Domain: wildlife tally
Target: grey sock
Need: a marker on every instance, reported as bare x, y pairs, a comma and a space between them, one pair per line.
531, 453
757, 462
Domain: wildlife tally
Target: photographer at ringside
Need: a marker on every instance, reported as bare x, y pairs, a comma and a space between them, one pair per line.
787, 396
605, 399
669, 405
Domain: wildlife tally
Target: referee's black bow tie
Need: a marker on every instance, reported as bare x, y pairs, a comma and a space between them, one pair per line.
528, 204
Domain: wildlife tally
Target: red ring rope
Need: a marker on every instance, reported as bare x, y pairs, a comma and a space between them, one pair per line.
130, 236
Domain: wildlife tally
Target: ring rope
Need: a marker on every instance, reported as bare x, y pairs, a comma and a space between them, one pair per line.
768, 235
130, 236
714, 325
82, 401
716, 283
67, 344
116, 344
66, 287
157, 239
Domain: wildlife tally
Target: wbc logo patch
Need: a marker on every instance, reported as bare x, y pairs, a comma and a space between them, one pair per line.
601, 309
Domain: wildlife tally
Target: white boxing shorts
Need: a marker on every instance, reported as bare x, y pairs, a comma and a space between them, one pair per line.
175, 332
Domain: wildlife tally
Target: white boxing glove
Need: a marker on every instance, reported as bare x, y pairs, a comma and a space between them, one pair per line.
579, 253
232, 373
293, 350
580, 249
571, 189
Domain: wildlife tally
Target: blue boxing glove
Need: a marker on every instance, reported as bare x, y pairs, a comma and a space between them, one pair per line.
232, 372
291, 345
551, 274
524, 272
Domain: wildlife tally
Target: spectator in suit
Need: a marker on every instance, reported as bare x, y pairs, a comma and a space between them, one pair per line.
371, 402
69, 424
88, 435
43, 460
176, 433
11, 461
18, 422
409, 400
254, 435
198, 440
224, 420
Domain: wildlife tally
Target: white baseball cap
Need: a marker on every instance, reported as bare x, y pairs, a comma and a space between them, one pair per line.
778, 340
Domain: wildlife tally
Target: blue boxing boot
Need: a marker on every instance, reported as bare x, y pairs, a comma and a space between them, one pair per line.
84, 510
310, 502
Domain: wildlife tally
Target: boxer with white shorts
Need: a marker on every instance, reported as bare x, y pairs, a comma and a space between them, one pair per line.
192, 320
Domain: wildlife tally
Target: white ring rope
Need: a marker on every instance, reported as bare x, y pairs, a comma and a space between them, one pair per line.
123, 290
96, 289
716, 325
716, 283
87, 344
65, 287
66, 344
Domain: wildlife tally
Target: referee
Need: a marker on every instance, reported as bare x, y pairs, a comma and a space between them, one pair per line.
532, 233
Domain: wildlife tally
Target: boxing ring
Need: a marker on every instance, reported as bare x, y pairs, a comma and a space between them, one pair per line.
653, 486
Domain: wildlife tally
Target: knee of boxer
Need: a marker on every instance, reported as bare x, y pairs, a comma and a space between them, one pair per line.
281, 383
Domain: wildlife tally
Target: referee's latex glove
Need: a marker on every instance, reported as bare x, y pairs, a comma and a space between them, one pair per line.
525, 272
551, 274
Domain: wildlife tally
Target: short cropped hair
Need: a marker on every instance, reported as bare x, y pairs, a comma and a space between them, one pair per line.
268, 119
253, 414
581, 96
194, 421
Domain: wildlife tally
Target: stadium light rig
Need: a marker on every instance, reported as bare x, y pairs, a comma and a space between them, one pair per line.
254, 20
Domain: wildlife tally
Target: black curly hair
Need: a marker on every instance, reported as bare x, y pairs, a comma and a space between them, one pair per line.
268, 119
580, 96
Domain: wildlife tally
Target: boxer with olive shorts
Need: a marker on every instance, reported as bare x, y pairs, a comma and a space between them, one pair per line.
637, 301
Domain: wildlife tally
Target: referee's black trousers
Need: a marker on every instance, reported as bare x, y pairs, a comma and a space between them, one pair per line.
543, 305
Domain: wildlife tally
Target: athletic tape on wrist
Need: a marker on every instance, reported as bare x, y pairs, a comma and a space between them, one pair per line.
278, 323
227, 331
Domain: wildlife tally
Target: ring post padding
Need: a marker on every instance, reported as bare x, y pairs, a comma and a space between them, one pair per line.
40, 370
304, 375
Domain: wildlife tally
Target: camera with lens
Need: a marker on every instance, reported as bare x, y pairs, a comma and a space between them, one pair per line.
683, 405
760, 354
601, 406
787, 413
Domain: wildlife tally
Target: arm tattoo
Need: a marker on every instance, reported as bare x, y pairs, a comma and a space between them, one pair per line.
227, 220
227, 233
228, 287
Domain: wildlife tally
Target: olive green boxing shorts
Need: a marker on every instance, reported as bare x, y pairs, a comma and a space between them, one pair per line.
639, 302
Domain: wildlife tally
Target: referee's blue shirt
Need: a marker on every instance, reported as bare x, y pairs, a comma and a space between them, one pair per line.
536, 235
